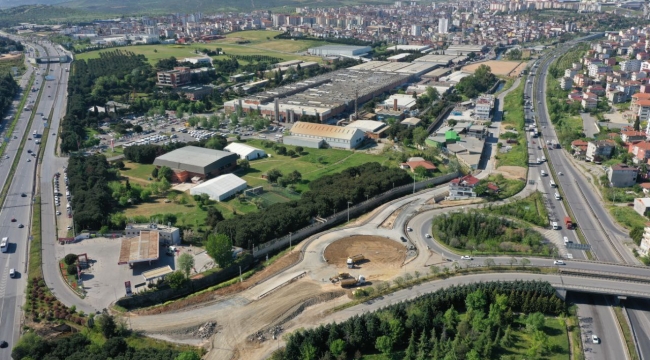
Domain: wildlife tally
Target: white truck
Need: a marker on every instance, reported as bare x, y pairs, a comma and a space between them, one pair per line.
354, 259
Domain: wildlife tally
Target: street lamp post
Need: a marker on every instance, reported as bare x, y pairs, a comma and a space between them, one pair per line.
290, 241
349, 202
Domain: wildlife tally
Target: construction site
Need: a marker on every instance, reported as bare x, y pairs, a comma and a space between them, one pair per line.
300, 290
324, 96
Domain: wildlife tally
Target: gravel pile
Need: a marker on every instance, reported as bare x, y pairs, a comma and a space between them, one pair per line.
206, 330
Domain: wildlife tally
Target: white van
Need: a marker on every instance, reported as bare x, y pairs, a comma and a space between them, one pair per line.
543, 173
557, 196
555, 225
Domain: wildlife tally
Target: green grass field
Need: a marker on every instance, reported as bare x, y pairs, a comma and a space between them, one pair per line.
627, 217
315, 164
514, 115
259, 45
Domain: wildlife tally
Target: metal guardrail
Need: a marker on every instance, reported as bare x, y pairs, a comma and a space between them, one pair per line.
605, 275
302, 274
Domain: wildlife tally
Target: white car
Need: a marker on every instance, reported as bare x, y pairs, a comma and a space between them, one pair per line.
558, 262
595, 339
58, 213
466, 257
543, 173
69, 227
427, 236
409, 229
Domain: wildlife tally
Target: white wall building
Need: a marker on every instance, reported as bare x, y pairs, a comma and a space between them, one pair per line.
245, 151
220, 188
198, 60
631, 65
443, 25
483, 108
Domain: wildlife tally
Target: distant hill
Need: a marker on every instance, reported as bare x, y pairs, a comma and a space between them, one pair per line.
106, 8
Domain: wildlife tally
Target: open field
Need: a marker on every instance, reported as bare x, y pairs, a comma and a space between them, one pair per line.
283, 49
499, 67
313, 165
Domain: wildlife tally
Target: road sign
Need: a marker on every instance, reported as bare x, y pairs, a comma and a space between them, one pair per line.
578, 246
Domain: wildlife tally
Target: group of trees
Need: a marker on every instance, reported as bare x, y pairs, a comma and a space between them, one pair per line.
326, 196
8, 90
96, 81
479, 82
485, 233
432, 327
7, 45
79, 345
276, 176
88, 178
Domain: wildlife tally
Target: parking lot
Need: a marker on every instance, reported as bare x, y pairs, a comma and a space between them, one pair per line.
162, 131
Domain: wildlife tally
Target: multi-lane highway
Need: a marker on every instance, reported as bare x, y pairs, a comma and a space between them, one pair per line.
18, 204
602, 233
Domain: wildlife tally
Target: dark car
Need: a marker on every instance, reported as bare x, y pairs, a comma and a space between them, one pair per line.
20, 226
23, 195
3, 344
13, 219
402, 238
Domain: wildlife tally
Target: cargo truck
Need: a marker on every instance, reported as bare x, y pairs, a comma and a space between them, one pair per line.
568, 223
352, 260
349, 282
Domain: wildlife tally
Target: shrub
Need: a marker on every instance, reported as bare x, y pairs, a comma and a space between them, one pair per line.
70, 259
71, 269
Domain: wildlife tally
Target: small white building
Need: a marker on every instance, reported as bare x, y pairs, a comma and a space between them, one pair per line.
245, 151
198, 60
642, 205
220, 188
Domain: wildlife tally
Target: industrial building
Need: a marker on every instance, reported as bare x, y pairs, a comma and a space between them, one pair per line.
245, 151
413, 68
316, 135
324, 96
195, 92
341, 50
220, 188
464, 49
196, 163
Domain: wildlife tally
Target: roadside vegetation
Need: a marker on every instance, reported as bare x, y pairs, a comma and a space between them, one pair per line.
566, 116
480, 233
506, 187
478, 321
530, 209
513, 118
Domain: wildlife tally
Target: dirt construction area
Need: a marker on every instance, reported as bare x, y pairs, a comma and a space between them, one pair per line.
498, 67
513, 172
382, 256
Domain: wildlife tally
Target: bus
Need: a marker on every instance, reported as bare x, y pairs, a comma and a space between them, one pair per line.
4, 245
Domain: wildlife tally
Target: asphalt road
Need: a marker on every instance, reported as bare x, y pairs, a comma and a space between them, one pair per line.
555, 207
640, 323
590, 215
596, 317
18, 207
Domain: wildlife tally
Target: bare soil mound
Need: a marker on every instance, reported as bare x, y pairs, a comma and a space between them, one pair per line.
379, 252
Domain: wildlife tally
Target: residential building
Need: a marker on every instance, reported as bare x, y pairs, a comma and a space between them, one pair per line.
462, 188
589, 103
634, 101
579, 148
640, 152
616, 97
643, 110
631, 65
566, 83
630, 136
178, 77
443, 26
599, 148
621, 175
483, 107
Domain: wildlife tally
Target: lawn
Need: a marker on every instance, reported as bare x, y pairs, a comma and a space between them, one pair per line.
627, 217
514, 115
282, 48
313, 165
135, 170
508, 187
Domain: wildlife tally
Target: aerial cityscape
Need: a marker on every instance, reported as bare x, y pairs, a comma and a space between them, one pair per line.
295, 180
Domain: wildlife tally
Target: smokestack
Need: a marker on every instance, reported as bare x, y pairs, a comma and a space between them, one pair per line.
277, 109
394, 104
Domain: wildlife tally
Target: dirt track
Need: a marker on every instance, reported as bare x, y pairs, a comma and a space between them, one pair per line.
380, 253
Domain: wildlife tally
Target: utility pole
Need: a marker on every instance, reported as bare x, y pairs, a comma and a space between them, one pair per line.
349, 210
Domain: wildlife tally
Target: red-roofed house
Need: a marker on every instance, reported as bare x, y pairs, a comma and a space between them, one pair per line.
579, 148
634, 103
462, 188
629, 136
640, 151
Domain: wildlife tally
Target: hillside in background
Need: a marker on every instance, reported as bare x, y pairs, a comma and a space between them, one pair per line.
26, 10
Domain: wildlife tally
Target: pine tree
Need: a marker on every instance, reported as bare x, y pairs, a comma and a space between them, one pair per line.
411, 349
